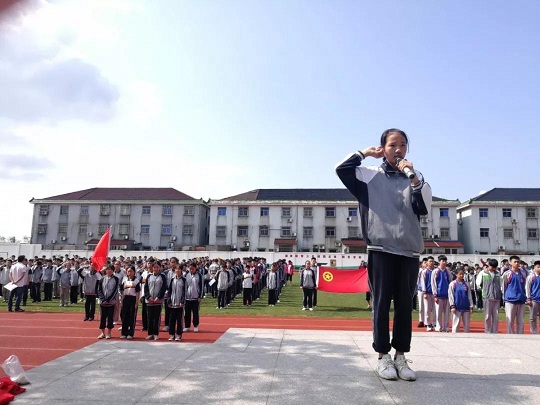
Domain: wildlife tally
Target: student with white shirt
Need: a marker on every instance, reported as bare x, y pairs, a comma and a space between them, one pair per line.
18, 277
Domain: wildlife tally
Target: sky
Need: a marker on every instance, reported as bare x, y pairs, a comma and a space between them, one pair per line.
216, 98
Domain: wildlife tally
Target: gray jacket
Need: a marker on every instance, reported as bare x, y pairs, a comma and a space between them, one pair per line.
490, 283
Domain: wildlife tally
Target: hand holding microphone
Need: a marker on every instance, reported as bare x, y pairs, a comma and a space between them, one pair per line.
406, 170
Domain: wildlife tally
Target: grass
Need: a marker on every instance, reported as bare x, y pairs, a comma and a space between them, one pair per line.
350, 306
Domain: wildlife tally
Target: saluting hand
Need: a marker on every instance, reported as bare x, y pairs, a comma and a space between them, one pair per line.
374, 151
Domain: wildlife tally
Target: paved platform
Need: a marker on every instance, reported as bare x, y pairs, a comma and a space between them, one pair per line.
263, 366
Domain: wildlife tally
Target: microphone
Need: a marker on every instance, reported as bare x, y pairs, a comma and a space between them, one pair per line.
408, 172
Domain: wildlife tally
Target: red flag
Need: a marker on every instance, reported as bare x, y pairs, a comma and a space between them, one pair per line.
342, 281
99, 258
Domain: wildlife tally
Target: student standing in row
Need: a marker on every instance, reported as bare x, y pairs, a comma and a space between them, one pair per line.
460, 301
307, 283
489, 282
440, 281
130, 289
532, 291
107, 291
154, 292
513, 288
176, 302
194, 294
90, 280
247, 285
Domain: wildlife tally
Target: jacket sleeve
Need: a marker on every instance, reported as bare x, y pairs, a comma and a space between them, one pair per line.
183, 300
163, 287
451, 299
479, 280
423, 280
302, 279
99, 289
433, 282
421, 197
528, 287
469, 295
114, 292
201, 286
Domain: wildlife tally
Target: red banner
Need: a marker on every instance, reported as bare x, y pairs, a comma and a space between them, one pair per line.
99, 258
342, 281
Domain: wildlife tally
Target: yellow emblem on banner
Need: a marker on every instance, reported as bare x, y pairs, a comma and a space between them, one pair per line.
328, 276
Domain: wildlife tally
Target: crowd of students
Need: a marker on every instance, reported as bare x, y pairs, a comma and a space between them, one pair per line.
459, 289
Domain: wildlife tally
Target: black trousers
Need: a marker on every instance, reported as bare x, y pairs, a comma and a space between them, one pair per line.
175, 321
47, 291
272, 297
314, 297
308, 298
247, 296
144, 315
128, 315
36, 291
167, 315
73, 293
90, 306
392, 277
106, 318
191, 306
221, 298
154, 319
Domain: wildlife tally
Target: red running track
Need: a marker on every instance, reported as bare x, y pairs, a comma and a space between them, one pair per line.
37, 338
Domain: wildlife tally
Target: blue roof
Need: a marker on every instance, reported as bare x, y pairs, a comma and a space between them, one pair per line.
509, 194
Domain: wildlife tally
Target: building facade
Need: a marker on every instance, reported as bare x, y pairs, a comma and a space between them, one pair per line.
140, 218
308, 220
501, 221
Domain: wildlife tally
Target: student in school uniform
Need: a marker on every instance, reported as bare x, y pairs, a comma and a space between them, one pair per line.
194, 294
427, 293
90, 279
36, 277
460, 301
176, 302
47, 278
222, 282
513, 289
144, 275
154, 292
421, 302
489, 281
131, 289
289, 271
107, 290
308, 283
440, 280
272, 284
532, 291
74, 284
64, 282
247, 285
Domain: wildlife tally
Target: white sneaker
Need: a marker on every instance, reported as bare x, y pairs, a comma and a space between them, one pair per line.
171, 338
165, 329
178, 339
311, 309
303, 309
386, 368
149, 337
108, 336
196, 329
403, 370
156, 337
123, 337
101, 336
129, 337
186, 329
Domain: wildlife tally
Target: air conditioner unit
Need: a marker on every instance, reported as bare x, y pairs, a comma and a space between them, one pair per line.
517, 242
170, 244
514, 221
293, 234
501, 247
338, 244
173, 238
89, 234
64, 238
289, 220
53, 241
424, 220
126, 237
349, 219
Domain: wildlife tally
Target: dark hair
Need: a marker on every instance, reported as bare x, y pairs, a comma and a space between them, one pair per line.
537, 262
21, 258
514, 257
442, 257
493, 262
430, 258
385, 134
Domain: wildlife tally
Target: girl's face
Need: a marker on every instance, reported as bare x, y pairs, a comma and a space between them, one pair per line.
396, 146
156, 268
460, 276
308, 264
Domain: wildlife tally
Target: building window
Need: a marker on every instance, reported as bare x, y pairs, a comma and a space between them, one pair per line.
265, 211
83, 229
125, 209
166, 210
123, 229
308, 232
102, 228
166, 229
308, 212
330, 231
330, 212
424, 233
42, 229
145, 229
146, 210
187, 229
104, 209
85, 210
221, 231
242, 231
507, 212
189, 210
483, 212
508, 233
443, 212
43, 210
352, 232
353, 212
222, 211
263, 230
532, 233
64, 209
484, 232
531, 212
62, 228
445, 233
286, 212
243, 211
285, 231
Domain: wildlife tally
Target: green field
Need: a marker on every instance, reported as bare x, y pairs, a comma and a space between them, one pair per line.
351, 306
